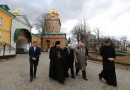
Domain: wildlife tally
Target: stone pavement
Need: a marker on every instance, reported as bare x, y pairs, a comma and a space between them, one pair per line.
14, 75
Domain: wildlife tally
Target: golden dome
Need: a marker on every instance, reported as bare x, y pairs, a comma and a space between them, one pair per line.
48, 13
54, 11
15, 12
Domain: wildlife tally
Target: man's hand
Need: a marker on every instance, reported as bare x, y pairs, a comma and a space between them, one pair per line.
111, 59
33, 58
76, 61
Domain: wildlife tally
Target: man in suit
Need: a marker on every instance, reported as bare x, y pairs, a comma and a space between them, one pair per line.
34, 53
69, 60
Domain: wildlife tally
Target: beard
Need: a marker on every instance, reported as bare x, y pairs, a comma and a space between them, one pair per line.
58, 47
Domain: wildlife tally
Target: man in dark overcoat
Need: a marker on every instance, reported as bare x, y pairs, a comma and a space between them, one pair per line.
69, 60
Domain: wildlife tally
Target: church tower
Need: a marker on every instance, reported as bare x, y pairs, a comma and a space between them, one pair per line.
52, 21
52, 26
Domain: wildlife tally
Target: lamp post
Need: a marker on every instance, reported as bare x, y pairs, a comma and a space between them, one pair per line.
124, 41
4, 44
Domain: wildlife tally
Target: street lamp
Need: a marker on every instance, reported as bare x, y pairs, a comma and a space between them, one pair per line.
4, 44
124, 41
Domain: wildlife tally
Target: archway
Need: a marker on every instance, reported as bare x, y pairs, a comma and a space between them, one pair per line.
22, 37
48, 44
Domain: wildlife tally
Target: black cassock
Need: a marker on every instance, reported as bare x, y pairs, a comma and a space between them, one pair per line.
108, 72
58, 66
51, 62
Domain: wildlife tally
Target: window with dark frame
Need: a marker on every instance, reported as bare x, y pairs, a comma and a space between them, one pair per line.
0, 21
0, 39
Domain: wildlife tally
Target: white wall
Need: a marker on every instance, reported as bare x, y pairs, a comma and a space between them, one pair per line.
19, 22
8, 51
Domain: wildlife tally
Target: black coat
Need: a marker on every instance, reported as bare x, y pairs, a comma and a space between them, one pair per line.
35, 54
108, 72
108, 52
69, 57
51, 49
58, 65
51, 63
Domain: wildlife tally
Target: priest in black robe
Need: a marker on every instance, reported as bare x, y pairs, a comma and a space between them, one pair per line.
108, 73
58, 63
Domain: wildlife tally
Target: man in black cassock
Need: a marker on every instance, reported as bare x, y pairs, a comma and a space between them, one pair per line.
34, 53
58, 63
69, 60
108, 73
51, 62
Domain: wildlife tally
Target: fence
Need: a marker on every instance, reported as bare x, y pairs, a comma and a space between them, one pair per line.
7, 51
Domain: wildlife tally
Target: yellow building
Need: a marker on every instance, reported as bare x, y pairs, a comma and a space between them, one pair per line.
5, 24
36, 37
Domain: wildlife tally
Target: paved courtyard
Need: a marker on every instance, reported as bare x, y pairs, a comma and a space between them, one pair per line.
14, 75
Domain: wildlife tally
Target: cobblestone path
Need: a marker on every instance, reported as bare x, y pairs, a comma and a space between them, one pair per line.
14, 75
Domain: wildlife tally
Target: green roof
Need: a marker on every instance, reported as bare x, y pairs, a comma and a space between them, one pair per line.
5, 7
39, 35
55, 33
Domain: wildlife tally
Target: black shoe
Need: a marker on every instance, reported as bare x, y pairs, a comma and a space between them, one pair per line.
76, 74
100, 77
67, 76
34, 77
73, 77
31, 79
85, 79
61, 82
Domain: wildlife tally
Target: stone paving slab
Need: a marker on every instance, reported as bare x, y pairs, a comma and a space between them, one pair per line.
14, 75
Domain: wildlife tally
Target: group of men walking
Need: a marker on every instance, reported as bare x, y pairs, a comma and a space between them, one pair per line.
63, 59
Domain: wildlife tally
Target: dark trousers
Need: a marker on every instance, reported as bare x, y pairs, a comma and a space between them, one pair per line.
77, 71
71, 69
33, 68
83, 72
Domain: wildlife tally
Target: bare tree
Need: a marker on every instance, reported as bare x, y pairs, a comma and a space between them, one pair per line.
39, 25
76, 32
124, 42
80, 31
98, 36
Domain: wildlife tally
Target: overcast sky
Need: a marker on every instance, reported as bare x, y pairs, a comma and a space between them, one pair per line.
112, 17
